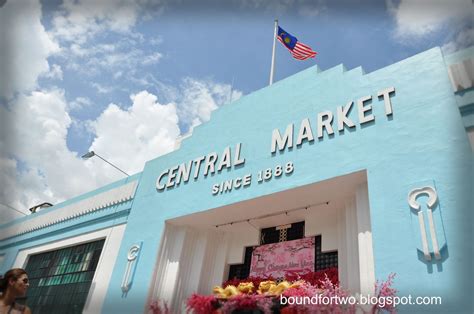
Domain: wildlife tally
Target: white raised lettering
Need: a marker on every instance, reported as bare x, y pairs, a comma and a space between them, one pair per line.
210, 163
160, 186
226, 158
342, 119
305, 132
183, 172
287, 139
237, 183
363, 109
198, 161
247, 180
237, 159
386, 98
171, 177
325, 123
228, 186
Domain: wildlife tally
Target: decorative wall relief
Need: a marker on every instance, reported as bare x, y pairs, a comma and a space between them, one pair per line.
132, 257
426, 220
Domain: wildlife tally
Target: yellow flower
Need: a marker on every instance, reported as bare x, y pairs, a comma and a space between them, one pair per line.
246, 287
277, 290
264, 286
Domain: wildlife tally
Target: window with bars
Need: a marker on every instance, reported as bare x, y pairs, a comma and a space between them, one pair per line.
60, 280
272, 235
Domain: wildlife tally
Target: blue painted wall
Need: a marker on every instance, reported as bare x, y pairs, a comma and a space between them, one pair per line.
104, 218
424, 141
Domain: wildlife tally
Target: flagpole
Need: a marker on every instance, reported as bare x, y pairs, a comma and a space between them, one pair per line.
272, 69
231, 89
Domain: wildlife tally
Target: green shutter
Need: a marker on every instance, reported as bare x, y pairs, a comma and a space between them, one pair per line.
60, 280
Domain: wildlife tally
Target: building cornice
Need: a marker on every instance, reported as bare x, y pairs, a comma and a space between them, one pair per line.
86, 206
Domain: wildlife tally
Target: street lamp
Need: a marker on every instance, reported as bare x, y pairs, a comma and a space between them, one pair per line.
92, 154
35, 208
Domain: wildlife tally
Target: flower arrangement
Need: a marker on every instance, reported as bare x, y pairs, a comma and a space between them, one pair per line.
313, 278
264, 295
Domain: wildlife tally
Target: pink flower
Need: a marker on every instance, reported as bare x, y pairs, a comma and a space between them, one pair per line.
248, 302
159, 307
383, 290
321, 284
201, 304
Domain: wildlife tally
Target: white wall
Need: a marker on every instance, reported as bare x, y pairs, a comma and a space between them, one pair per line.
194, 260
248, 236
323, 221
190, 260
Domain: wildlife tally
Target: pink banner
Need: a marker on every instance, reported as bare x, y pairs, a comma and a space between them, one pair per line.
277, 258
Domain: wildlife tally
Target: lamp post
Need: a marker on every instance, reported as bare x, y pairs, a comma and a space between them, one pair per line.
92, 154
35, 208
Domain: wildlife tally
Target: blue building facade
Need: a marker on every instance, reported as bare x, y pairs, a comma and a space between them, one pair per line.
380, 165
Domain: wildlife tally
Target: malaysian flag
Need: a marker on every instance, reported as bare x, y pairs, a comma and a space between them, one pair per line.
298, 50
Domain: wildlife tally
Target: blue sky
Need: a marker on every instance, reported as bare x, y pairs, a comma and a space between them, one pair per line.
131, 76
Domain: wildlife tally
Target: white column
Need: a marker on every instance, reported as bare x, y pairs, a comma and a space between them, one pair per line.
190, 260
364, 235
351, 244
214, 265
342, 248
167, 272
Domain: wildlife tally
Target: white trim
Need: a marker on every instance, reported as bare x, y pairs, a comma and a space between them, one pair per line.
364, 231
190, 260
86, 206
462, 74
129, 270
100, 282
351, 244
432, 199
470, 135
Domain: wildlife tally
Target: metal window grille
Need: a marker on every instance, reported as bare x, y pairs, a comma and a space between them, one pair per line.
242, 271
60, 279
323, 260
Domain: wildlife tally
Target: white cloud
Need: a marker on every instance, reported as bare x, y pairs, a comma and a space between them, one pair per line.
79, 103
25, 47
81, 20
308, 8
36, 164
148, 129
152, 59
200, 98
312, 9
55, 72
418, 18
464, 39
156, 41
128, 138
88, 30
9, 196
118, 74
102, 89
78, 23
